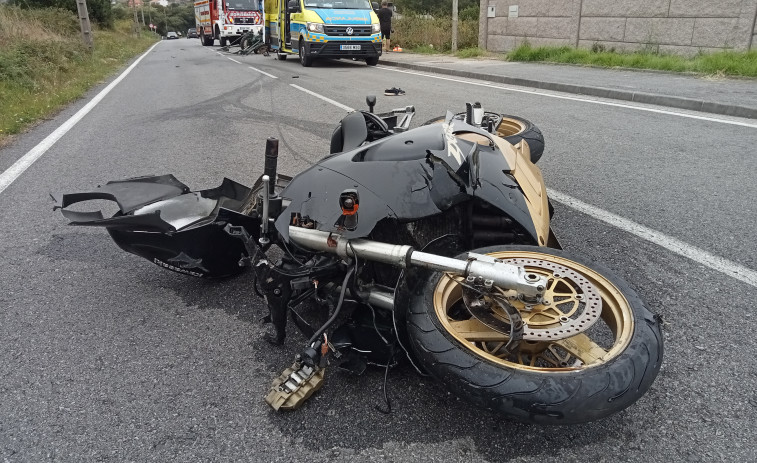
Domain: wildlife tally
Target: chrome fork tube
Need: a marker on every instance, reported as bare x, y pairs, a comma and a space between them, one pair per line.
491, 270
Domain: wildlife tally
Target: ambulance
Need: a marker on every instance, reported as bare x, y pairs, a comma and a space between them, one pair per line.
314, 29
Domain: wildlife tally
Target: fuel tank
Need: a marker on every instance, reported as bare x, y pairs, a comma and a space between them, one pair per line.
413, 175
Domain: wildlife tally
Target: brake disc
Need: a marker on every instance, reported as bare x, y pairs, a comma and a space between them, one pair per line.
570, 305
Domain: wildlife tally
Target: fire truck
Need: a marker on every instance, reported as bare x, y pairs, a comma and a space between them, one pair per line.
227, 20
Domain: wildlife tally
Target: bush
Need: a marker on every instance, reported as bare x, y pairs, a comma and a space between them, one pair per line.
44, 63
413, 32
99, 10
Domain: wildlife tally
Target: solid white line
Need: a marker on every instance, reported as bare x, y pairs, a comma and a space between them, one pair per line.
232, 59
328, 100
263, 72
20, 166
700, 256
573, 98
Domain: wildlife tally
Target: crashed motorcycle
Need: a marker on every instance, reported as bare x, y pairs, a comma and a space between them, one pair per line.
431, 246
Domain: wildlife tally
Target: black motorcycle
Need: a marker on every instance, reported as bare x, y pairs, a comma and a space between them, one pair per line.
431, 245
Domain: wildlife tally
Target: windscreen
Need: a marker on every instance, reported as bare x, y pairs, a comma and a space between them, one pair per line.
243, 5
339, 4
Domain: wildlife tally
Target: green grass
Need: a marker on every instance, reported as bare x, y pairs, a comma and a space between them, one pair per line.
473, 52
728, 63
44, 65
413, 32
424, 50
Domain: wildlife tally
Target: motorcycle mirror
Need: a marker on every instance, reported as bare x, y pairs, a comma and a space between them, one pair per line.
370, 100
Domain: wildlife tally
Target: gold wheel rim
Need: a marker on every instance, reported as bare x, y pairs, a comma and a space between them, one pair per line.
586, 349
509, 127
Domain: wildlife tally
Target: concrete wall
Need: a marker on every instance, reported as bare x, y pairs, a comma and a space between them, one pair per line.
670, 26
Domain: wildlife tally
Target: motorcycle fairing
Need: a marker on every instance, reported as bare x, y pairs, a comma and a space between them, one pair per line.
129, 194
160, 219
407, 176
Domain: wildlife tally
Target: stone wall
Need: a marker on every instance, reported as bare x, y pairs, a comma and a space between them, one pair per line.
669, 26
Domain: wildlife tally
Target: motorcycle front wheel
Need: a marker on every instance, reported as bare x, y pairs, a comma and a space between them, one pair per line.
590, 347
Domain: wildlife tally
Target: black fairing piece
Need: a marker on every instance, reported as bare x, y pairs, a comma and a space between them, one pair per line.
407, 176
160, 219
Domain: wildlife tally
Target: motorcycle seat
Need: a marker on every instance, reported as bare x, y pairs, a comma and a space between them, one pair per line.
351, 133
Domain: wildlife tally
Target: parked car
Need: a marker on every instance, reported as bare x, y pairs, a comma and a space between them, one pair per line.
192, 33
171, 35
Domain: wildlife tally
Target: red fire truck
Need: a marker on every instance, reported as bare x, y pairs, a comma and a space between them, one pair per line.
227, 20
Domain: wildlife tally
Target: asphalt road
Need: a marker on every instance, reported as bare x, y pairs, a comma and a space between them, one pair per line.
104, 356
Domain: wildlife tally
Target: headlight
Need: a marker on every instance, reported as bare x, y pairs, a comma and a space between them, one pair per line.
375, 28
315, 27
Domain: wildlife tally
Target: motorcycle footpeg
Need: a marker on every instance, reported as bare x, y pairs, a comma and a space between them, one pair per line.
294, 386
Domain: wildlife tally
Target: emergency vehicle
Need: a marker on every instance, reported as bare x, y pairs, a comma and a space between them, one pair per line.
227, 20
316, 29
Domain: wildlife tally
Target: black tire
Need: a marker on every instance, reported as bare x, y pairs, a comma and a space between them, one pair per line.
524, 393
305, 59
224, 41
372, 60
206, 41
513, 129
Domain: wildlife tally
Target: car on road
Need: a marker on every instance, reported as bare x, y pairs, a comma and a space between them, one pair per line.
192, 33
171, 35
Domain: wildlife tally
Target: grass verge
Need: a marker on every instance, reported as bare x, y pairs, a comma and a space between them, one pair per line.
728, 63
44, 65
433, 34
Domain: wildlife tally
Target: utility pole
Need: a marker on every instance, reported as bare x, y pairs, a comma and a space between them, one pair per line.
454, 26
136, 20
86, 29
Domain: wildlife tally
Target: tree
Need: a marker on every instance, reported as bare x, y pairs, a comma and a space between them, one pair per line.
99, 10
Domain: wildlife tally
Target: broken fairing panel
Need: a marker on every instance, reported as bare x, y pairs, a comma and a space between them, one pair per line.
407, 177
179, 230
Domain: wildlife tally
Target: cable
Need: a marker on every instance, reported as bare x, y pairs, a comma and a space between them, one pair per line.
407, 354
373, 313
286, 248
388, 403
338, 308
399, 341
353, 282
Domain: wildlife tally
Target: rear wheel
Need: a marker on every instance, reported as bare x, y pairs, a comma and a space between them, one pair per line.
589, 348
514, 129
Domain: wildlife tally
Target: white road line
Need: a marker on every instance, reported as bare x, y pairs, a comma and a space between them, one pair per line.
700, 256
263, 72
20, 166
328, 100
254, 69
574, 98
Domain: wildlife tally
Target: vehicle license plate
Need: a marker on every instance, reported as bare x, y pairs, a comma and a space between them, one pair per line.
349, 47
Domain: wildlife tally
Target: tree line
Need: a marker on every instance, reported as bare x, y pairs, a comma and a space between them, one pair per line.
175, 17
467, 9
